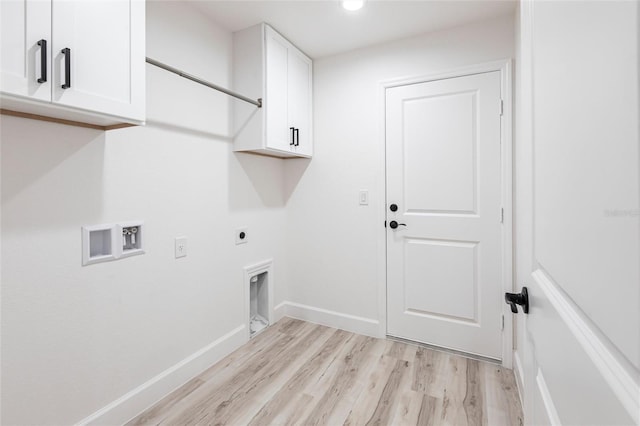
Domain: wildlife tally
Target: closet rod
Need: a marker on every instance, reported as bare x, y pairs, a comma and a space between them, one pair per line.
166, 67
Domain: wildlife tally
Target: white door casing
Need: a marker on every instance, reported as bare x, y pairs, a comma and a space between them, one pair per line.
444, 166
580, 243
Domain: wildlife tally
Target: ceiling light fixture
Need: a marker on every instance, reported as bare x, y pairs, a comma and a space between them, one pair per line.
352, 4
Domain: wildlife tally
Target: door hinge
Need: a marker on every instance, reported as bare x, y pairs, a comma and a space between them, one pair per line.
501, 214
502, 327
501, 107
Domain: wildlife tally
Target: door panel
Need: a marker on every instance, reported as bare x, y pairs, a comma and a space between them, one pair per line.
443, 171
446, 159
447, 285
300, 100
600, 244
562, 360
22, 24
277, 121
102, 71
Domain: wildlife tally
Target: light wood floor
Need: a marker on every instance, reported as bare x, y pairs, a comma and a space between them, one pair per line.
301, 373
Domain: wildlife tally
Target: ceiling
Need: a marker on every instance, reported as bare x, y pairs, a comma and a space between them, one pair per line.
323, 28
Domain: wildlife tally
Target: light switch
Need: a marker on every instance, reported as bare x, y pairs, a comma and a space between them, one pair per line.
181, 247
364, 197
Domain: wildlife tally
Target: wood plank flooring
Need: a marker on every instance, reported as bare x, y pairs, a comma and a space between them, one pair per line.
298, 373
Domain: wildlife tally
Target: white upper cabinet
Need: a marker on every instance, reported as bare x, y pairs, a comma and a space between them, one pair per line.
268, 66
94, 60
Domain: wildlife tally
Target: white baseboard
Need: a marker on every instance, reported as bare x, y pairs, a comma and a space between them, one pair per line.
279, 312
137, 400
352, 323
134, 402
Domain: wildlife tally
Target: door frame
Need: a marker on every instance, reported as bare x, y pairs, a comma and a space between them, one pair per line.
505, 67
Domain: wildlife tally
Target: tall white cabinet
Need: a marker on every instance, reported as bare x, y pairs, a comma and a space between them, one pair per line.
81, 60
268, 66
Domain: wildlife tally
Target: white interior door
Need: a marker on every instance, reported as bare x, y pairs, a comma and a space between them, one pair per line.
580, 212
444, 281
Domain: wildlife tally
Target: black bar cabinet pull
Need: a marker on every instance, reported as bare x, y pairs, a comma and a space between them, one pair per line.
297, 132
293, 136
67, 68
43, 61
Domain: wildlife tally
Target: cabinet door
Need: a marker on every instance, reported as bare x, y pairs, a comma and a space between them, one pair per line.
106, 57
23, 23
278, 134
299, 100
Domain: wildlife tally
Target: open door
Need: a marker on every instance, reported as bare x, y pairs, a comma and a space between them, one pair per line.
578, 212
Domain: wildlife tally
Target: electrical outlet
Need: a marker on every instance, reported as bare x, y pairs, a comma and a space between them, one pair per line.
242, 236
181, 247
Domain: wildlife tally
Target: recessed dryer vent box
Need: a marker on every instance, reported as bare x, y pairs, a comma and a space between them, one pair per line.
99, 244
258, 303
258, 297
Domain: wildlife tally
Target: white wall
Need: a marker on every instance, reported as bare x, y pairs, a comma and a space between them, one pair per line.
74, 338
336, 260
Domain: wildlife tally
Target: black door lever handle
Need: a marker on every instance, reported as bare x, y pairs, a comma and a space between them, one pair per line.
521, 299
393, 224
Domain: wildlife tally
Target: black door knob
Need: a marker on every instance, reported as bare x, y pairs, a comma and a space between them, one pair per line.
393, 224
521, 299
393, 207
